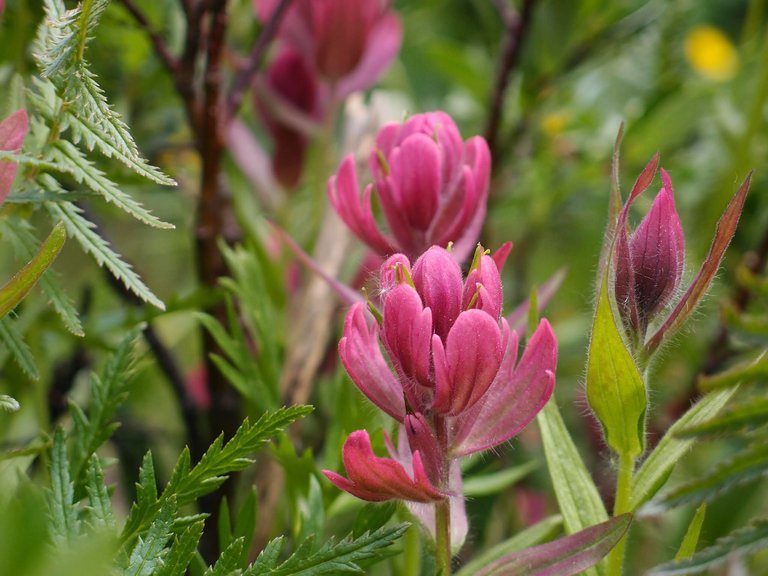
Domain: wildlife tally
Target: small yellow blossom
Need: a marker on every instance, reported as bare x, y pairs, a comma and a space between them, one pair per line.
711, 53
554, 123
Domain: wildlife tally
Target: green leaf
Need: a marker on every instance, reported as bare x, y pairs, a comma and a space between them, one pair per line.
245, 524
82, 230
577, 496
615, 388
26, 245
751, 413
186, 485
229, 561
61, 507
108, 392
100, 506
17, 287
747, 372
659, 464
691, 539
745, 466
495, 482
148, 554
743, 541
333, 557
182, 551
14, 343
536, 534
69, 157
566, 556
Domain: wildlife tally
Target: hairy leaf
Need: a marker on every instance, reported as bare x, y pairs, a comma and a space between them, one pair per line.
577, 496
659, 464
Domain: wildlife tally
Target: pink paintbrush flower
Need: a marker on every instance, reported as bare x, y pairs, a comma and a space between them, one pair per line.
432, 188
12, 131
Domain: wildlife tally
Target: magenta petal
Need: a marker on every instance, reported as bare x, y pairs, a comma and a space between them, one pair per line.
12, 131
416, 173
515, 397
491, 297
359, 351
473, 353
658, 253
383, 46
376, 479
422, 440
406, 334
437, 278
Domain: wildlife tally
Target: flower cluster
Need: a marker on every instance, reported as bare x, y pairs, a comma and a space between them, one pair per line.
327, 49
441, 361
432, 188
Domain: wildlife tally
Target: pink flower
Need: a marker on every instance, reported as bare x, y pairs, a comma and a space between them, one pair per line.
350, 43
294, 85
376, 479
432, 187
649, 264
12, 132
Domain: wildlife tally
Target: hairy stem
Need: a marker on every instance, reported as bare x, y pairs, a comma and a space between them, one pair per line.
443, 536
620, 506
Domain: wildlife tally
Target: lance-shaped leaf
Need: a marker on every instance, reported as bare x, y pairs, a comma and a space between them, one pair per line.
748, 539
726, 228
691, 539
566, 556
659, 464
18, 286
615, 388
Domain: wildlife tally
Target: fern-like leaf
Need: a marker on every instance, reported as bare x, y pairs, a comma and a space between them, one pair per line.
81, 230
333, 557
148, 553
229, 561
64, 523
13, 342
100, 507
182, 551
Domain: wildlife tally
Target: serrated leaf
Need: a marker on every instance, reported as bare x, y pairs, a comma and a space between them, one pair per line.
69, 157
544, 530
566, 556
148, 553
743, 541
82, 230
100, 506
14, 343
187, 485
332, 558
229, 561
615, 388
659, 464
182, 551
577, 496
745, 466
64, 524
22, 282
691, 539
748, 372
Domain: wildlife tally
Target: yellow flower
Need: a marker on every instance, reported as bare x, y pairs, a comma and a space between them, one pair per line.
711, 53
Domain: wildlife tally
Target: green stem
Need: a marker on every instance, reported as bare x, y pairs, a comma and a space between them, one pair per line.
443, 536
620, 506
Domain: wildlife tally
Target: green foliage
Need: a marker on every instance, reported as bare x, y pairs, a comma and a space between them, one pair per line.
333, 557
691, 540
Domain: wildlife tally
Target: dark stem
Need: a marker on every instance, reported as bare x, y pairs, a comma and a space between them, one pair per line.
247, 72
516, 26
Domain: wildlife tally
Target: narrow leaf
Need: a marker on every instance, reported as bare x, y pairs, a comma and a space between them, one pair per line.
577, 496
752, 413
746, 372
743, 541
61, 507
531, 536
182, 551
18, 286
691, 539
659, 464
494, 483
615, 388
566, 556
100, 506
149, 551
726, 228
747, 465
13, 341
229, 561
